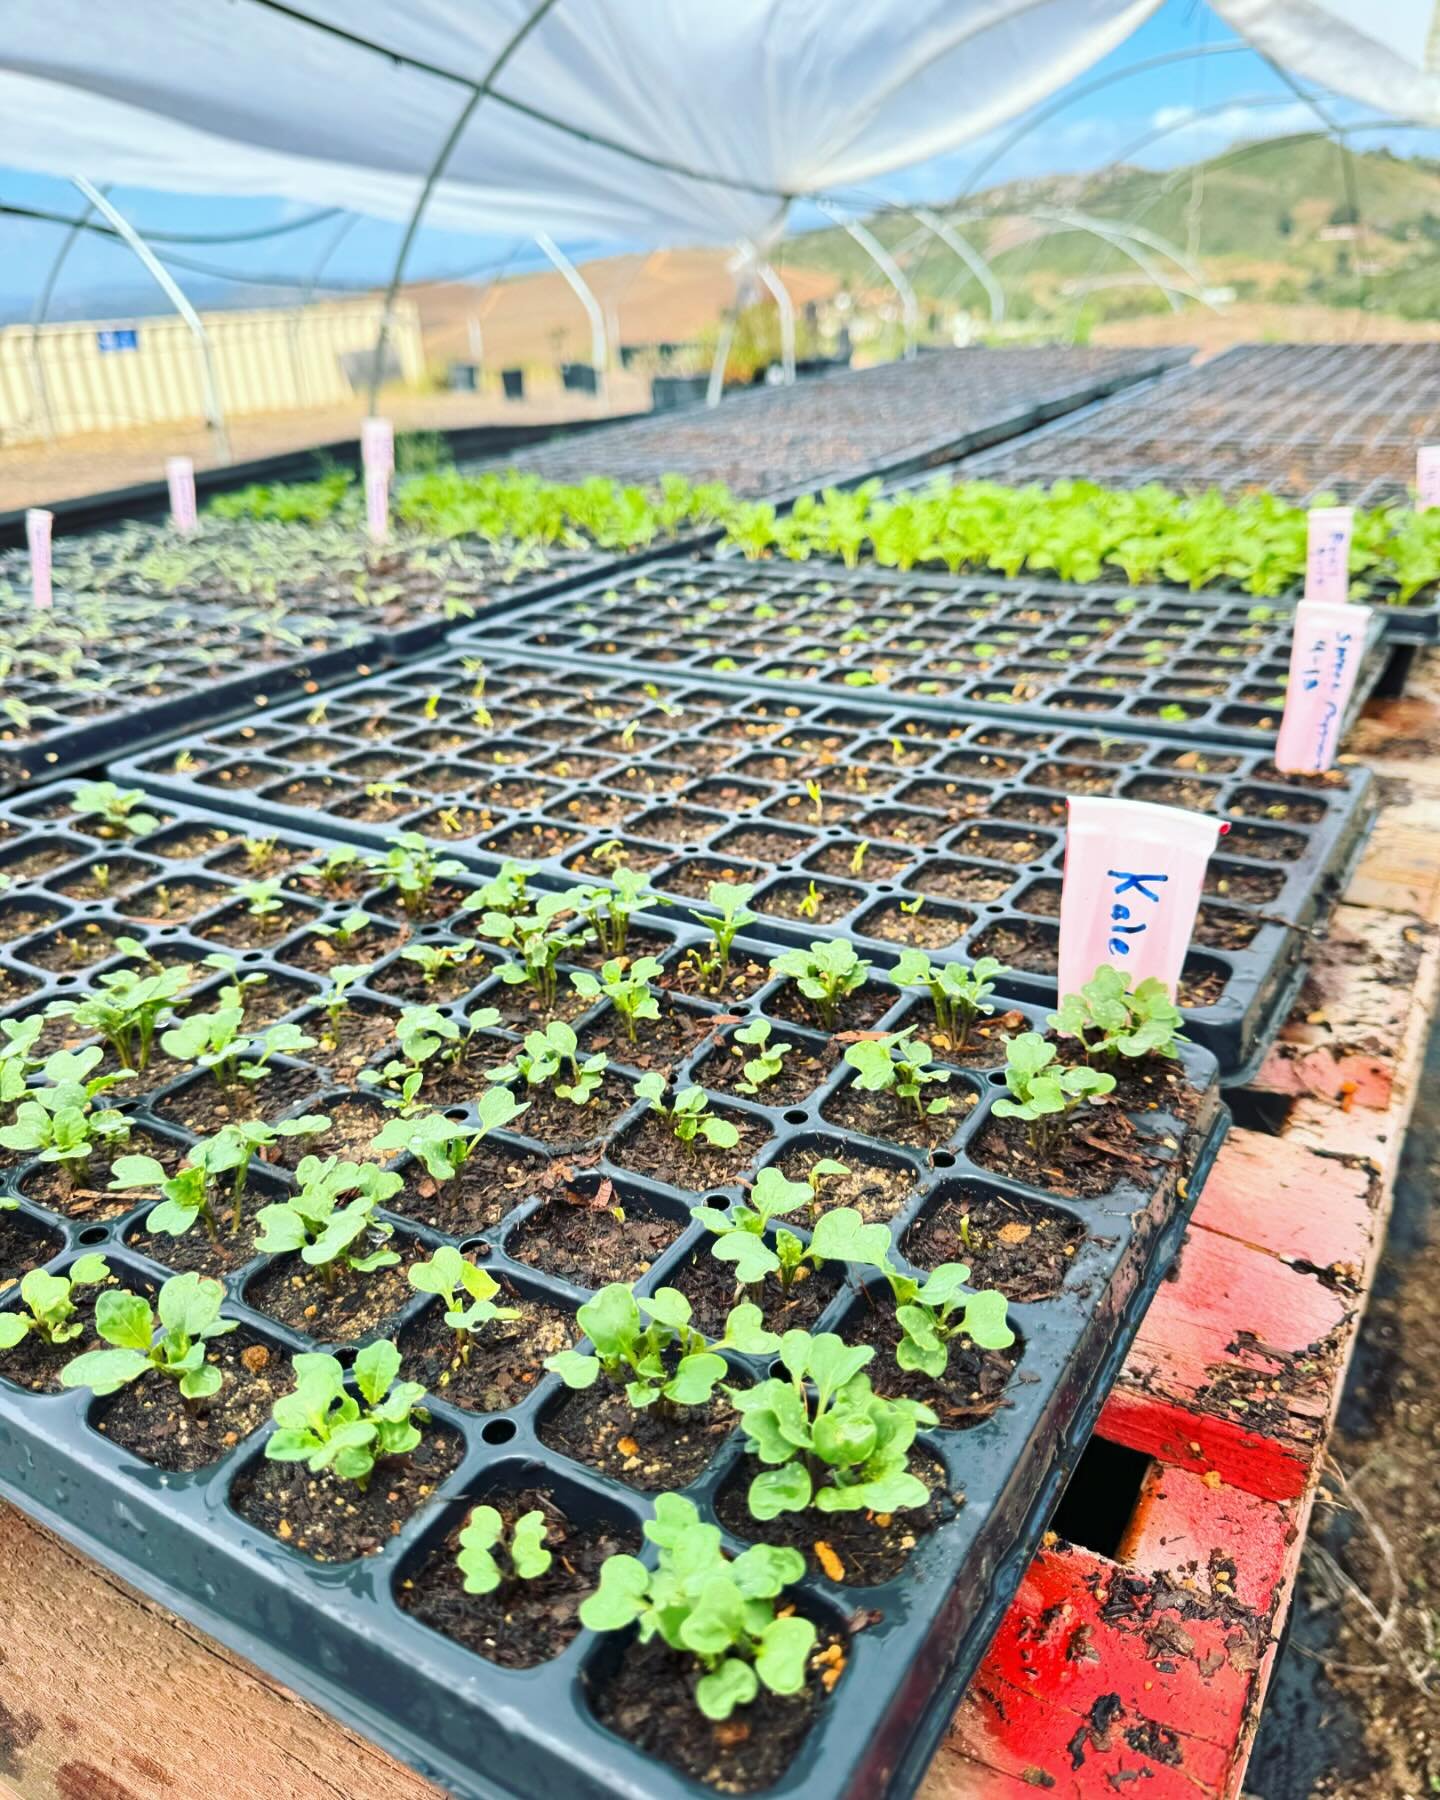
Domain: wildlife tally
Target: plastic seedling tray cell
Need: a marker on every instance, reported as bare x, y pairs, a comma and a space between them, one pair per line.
146, 669
1115, 659
350, 1634
1300, 421
778, 442
881, 822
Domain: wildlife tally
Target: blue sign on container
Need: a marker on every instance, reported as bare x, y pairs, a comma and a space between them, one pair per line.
122, 338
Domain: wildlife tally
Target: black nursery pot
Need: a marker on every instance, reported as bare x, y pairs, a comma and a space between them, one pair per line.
955, 815
336, 1632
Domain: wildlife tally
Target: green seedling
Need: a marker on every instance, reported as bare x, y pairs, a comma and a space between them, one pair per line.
959, 995
262, 898
443, 1145
741, 1233
186, 1195
1108, 1020
627, 989
552, 1053
59, 1123
703, 1604
825, 974
688, 1116
435, 960
343, 976
483, 1534
324, 1426
330, 1230
218, 1041
731, 900
448, 1274
537, 937
115, 810
17, 1061
1044, 1096
188, 1307
898, 1063
48, 1304
826, 1438
768, 1062
128, 1008
345, 931
412, 868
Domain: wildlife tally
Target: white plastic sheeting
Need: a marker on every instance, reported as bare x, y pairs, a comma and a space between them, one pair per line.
1384, 52
775, 97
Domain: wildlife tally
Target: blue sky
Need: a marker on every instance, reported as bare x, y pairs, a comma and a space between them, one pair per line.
1197, 107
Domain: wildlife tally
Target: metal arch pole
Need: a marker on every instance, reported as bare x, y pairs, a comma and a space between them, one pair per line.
214, 411
891, 270
787, 318
599, 350
969, 255
38, 315
1125, 236
715, 391
437, 169
307, 294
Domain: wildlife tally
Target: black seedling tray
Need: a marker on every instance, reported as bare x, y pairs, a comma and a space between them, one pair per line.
960, 813
335, 1632
776, 443
1112, 658
1301, 421
171, 668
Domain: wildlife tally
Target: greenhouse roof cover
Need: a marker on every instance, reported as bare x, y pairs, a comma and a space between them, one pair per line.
645, 119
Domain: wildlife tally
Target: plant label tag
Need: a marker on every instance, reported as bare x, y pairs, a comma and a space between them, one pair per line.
180, 479
1427, 477
1327, 553
38, 527
1324, 660
1132, 882
377, 445
377, 504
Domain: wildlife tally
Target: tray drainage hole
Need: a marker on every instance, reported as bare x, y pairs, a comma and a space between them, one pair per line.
251, 956
92, 1234
997, 1078
476, 1247
795, 1116
1101, 1496
995, 907
497, 1431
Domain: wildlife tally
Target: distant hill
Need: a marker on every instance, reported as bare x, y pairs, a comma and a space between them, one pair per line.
1270, 220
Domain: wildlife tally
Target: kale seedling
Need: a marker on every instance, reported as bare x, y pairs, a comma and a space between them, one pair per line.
17, 1064
608, 910
262, 898
712, 965
483, 1535
113, 809
447, 1273
189, 1312
49, 1303
702, 1604
1043, 1096
185, 1196
554, 1052
537, 937
444, 1145
894, 1064
768, 1062
413, 868
825, 974
740, 1233
647, 1344
128, 1009
59, 1123
958, 995
325, 1427
326, 1233
1109, 1020
218, 1042
827, 1438
689, 1117
627, 989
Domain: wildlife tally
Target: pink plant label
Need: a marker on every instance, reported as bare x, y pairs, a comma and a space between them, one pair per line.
180, 478
377, 504
38, 527
1131, 889
1327, 553
1325, 655
1427, 477
377, 445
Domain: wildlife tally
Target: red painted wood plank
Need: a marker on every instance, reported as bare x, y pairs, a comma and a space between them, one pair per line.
1279, 1196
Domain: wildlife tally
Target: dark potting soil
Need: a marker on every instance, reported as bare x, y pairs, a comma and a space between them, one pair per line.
877, 1190
1096, 1150
1021, 1247
501, 1362
649, 1699
24, 1245
640, 1446
812, 902
560, 1125
862, 1549
971, 1389
709, 1286
577, 1236
896, 1121
857, 1011
203, 1106
151, 1419
659, 1043
900, 922
196, 1250
493, 1180
800, 1072
520, 1624
962, 881
355, 1310
739, 981
651, 1148
333, 1520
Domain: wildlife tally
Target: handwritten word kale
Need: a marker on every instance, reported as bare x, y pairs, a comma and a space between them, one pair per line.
188, 1307
827, 1438
717, 1609
323, 1425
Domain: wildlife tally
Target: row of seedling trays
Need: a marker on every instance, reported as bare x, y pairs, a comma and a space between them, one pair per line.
328, 1002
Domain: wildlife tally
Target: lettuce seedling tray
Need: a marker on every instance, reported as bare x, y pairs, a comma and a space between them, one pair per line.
777, 443
1113, 658
97, 677
352, 1634
890, 825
